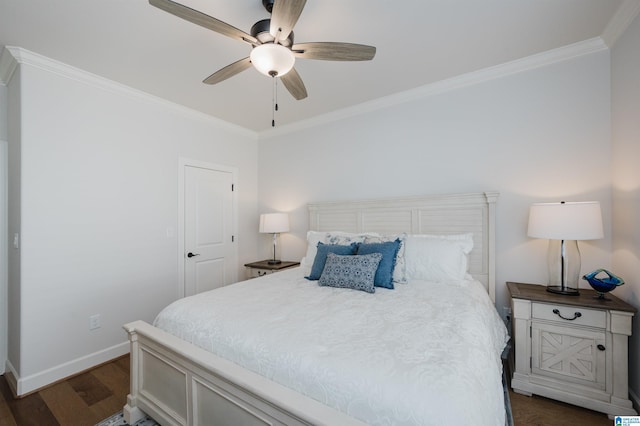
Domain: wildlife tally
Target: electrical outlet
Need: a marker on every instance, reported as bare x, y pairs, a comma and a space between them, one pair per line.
94, 322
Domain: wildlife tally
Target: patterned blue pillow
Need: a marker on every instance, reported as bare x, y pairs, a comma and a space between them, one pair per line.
355, 272
321, 257
389, 250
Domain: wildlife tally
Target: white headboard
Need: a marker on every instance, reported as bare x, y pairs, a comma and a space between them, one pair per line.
432, 214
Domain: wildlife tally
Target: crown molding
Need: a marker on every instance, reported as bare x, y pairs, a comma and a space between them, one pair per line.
626, 13
19, 56
491, 73
11, 57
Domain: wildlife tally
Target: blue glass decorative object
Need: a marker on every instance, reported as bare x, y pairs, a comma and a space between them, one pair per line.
603, 285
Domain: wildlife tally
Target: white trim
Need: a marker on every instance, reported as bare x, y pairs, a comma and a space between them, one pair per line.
618, 24
24, 385
10, 375
182, 163
508, 68
26, 57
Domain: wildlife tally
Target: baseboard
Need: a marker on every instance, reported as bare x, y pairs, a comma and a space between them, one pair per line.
32, 383
10, 375
635, 400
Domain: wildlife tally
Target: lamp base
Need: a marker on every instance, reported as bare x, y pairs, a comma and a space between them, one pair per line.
274, 262
567, 291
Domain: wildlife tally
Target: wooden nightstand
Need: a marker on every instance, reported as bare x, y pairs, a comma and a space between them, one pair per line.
572, 348
258, 269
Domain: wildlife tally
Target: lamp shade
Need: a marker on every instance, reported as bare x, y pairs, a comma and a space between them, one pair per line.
566, 221
274, 223
270, 58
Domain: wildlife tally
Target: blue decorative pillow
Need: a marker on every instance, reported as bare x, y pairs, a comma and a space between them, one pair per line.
355, 272
321, 256
388, 250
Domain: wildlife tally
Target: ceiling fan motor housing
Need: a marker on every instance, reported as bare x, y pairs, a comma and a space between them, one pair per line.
268, 4
260, 30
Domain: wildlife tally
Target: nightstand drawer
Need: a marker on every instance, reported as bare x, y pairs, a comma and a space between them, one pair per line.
567, 314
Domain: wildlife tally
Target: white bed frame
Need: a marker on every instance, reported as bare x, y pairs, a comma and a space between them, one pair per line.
178, 383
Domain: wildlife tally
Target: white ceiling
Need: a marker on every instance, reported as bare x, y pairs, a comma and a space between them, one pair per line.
418, 42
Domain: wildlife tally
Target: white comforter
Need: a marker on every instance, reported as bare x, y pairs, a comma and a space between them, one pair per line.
422, 354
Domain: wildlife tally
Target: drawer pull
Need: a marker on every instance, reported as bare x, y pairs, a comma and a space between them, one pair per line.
601, 347
575, 315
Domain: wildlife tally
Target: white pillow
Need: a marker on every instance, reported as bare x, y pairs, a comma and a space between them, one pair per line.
313, 238
437, 257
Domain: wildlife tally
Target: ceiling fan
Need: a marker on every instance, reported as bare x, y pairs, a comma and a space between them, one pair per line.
273, 50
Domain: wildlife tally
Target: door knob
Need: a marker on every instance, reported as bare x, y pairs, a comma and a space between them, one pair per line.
190, 255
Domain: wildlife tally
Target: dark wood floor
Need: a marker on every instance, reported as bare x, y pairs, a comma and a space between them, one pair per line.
539, 411
88, 398
83, 400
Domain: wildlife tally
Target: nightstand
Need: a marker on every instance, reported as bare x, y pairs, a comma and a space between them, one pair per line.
572, 348
258, 269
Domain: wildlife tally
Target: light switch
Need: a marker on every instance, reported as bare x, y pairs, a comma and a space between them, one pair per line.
16, 240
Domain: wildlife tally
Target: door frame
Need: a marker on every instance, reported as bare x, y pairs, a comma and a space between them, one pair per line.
183, 163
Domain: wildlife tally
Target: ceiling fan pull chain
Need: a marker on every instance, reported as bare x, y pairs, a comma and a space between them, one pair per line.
273, 102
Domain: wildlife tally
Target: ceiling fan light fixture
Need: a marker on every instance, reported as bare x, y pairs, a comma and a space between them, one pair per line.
271, 58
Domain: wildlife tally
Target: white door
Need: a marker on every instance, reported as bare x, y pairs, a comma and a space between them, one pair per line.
209, 252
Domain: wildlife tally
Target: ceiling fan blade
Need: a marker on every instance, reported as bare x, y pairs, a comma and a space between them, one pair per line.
203, 20
334, 51
284, 16
228, 71
294, 84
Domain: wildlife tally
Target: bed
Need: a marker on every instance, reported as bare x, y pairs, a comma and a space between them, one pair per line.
284, 350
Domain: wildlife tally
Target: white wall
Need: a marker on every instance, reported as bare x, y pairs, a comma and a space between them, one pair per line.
98, 193
13, 219
539, 135
625, 76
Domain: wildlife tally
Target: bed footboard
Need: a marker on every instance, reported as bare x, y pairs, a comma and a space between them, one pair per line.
177, 383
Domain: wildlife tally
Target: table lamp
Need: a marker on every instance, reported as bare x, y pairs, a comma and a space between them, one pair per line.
563, 224
274, 223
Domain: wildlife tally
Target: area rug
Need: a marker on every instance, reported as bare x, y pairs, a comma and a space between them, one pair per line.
118, 420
